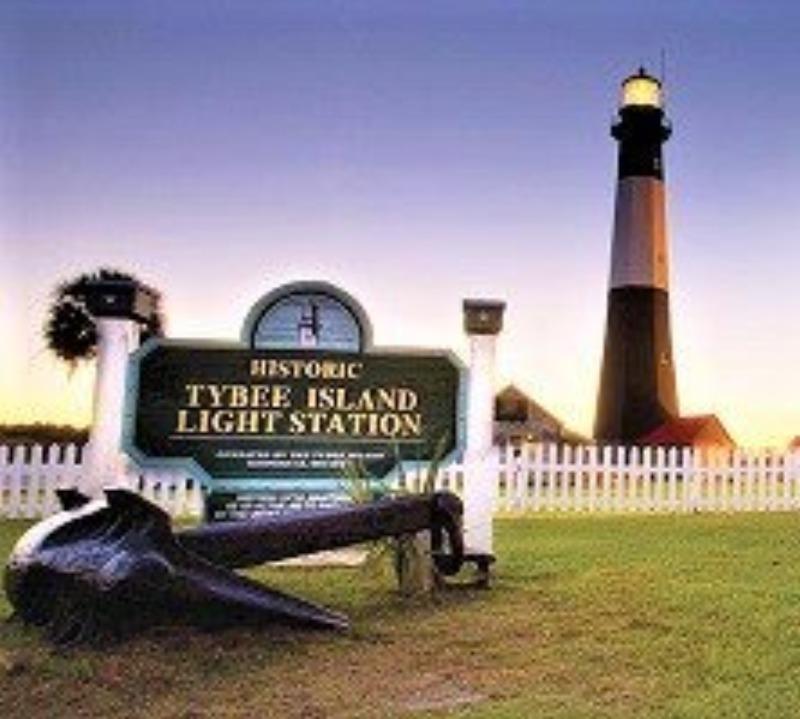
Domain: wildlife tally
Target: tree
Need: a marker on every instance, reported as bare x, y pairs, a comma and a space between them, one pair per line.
70, 331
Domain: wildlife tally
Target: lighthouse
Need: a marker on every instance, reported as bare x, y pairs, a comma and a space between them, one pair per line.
637, 381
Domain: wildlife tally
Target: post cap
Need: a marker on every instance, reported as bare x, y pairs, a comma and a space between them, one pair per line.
483, 317
124, 299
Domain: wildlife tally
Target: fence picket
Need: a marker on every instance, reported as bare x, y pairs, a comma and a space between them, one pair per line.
51, 481
785, 502
761, 481
538, 463
606, 464
716, 490
579, 493
618, 483
565, 472
652, 481
631, 489
793, 476
521, 493
592, 472
772, 482
15, 482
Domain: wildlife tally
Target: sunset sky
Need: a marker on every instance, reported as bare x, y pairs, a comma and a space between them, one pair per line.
414, 153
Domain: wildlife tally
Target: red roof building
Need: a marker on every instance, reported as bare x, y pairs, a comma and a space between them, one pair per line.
519, 419
702, 431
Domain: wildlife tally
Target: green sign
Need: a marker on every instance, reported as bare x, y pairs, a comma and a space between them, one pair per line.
243, 413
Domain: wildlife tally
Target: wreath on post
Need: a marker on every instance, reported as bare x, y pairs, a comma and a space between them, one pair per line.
70, 331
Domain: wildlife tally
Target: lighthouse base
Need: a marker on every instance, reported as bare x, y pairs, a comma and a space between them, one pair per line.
637, 384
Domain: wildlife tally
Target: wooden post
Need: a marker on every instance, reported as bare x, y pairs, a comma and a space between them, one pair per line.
414, 568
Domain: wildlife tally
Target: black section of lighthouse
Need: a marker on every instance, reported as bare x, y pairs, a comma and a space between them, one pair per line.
637, 382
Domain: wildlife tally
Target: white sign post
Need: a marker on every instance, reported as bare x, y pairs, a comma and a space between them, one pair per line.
119, 307
483, 321
105, 462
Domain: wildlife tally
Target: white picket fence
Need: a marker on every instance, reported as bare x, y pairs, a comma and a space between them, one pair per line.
535, 478
562, 478
29, 478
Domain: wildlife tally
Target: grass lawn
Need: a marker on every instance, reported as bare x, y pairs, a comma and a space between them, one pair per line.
691, 616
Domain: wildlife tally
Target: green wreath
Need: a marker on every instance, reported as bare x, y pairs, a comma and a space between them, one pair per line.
70, 330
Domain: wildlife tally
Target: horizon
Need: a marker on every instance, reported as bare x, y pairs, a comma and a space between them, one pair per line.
414, 156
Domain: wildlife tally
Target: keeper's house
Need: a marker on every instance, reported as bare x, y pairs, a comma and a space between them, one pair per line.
519, 419
697, 432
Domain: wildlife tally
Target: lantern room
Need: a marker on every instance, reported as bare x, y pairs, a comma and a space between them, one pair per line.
641, 90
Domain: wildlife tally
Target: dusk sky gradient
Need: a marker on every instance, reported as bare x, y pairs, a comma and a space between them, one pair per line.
415, 154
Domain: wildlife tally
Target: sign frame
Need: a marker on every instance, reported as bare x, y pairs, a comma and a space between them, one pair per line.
317, 485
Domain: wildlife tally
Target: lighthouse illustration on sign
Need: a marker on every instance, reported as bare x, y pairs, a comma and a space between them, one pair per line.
308, 326
637, 382
308, 317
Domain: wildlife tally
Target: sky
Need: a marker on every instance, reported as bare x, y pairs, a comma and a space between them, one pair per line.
414, 153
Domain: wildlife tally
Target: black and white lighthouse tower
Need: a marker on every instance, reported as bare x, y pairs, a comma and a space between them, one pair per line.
637, 383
